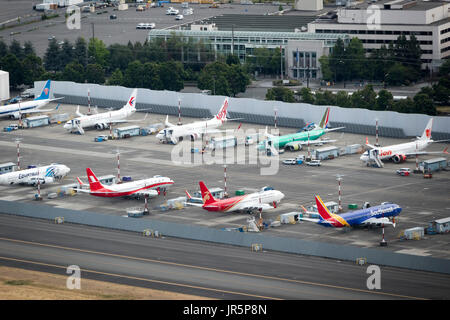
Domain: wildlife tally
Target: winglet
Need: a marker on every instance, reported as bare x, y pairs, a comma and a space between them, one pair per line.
187, 194
80, 182
445, 150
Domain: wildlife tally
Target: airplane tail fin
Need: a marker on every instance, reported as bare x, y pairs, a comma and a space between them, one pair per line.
222, 114
206, 195
326, 116
45, 93
80, 182
131, 103
426, 135
94, 184
167, 123
322, 209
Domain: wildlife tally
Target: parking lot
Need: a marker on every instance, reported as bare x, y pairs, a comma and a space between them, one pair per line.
120, 30
422, 199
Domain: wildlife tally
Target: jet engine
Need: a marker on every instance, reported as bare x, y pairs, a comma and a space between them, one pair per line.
399, 158
101, 126
194, 136
44, 180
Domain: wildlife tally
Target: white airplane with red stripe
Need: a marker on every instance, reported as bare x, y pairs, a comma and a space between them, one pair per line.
175, 133
400, 152
146, 187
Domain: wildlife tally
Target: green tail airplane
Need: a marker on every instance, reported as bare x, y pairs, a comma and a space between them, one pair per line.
294, 141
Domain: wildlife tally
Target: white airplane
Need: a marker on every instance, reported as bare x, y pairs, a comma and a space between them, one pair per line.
102, 120
266, 198
399, 152
33, 176
146, 187
16, 110
173, 133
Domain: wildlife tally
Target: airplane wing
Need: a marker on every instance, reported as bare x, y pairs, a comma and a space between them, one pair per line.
334, 129
378, 221
310, 142
410, 154
194, 204
309, 219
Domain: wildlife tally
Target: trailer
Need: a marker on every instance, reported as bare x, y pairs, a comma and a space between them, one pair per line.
222, 142
127, 132
37, 121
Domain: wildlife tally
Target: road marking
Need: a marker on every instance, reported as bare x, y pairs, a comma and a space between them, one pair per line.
142, 279
213, 269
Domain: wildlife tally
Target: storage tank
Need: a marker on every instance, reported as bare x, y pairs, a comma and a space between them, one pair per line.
4, 85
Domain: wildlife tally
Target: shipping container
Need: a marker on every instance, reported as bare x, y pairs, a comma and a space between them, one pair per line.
416, 233
37, 121
290, 217
222, 142
432, 165
127, 132
7, 167
326, 153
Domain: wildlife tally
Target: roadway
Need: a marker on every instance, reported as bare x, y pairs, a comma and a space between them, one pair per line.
204, 269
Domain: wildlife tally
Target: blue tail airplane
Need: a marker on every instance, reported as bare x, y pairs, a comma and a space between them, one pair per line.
377, 215
16, 110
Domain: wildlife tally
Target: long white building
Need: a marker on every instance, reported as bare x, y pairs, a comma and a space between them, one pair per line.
381, 22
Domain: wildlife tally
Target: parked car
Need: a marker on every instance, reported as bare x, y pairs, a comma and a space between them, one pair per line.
11, 127
314, 163
179, 17
101, 138
113, 17
404, 171
15, 100
29, 93
290, 161
146, 26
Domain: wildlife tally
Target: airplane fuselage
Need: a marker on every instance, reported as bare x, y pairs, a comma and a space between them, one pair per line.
357, 217
280, 141
386, 153
129, 188
56, 171
242, 203
193, 129
13, 110
101, 119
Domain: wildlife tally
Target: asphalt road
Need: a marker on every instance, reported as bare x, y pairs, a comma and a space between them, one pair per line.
204, 269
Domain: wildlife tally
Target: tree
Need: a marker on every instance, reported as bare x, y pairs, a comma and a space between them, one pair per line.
280, 94
355, 59
151, 76
3, 49
404, 105
306, 95
238, 80
325, 98
12, 64
130, 77
80, 51
385, 100
327, 74
32, 69
343, 100
95, 73
444, 69
28, 49
66, 53
119, 56
424, 104
171, 75
74, 71
16, 49
232, 59
365, 98
52, 56
116, 78
97, 52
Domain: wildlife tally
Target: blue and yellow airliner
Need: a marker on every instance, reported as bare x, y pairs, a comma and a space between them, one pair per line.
377, 215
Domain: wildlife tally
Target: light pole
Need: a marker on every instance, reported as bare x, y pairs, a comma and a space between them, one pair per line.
179, 112
339, 179
275, 117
